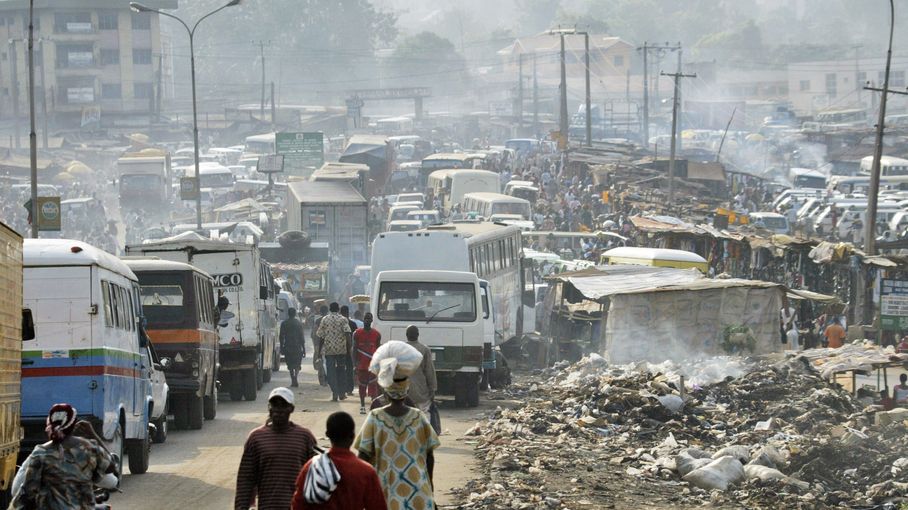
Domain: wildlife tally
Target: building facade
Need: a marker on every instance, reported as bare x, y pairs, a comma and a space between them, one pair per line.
97, 63
839, 84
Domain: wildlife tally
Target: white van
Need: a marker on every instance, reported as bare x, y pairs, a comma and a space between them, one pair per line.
774, 222
446, 307
88, 350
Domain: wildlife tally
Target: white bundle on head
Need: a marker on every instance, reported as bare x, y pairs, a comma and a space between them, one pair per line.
394, 360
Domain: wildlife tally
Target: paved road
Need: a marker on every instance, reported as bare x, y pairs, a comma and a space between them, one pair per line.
197, 469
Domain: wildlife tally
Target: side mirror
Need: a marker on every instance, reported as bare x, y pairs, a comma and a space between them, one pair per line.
28, 325
165, 364
529, 297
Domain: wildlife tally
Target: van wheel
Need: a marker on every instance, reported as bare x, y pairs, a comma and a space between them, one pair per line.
160, 426
211, 406
196, 406
118, 448
138, 451
266, 374
249, 384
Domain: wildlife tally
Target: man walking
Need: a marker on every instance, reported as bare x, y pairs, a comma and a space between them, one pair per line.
318, 360
349, 379
293, 345
356, 486
273, 456
365, 342
423, 382
337, 341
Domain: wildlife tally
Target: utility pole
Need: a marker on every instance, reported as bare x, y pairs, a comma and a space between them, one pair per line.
680, 104
262, 104
13, 62
645, 95
589, 113
857, 71
535, 99
32, 136
518, 106
273, 112
870, 220
563, 119
671, 161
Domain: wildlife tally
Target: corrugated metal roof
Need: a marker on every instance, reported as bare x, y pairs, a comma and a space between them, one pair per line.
325, 192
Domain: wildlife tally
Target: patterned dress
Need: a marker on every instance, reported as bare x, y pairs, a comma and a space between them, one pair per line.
61, 477
398, 447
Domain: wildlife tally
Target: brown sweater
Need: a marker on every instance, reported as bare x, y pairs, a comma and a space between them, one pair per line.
270, 464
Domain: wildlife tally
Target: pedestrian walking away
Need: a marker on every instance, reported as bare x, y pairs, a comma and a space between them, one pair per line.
60, 474
293, 345
318, 359
273, 456
399, 442
423, 383
338, 480
334, 330
365, 341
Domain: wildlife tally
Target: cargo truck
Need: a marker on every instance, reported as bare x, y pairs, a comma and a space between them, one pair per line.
145, 179
246, 299
15, 326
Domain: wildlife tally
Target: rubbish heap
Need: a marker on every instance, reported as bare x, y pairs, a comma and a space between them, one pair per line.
739, 433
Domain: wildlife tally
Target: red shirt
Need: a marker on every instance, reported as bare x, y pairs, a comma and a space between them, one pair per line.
359, 487
365, 343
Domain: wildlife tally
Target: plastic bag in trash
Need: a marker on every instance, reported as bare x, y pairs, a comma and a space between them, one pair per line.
718, 474
394, 359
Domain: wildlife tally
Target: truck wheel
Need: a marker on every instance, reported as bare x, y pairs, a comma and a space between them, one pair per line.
236, 391
138, 451
180, 412
195, 406
249, 384
460, 390
266, 374
259, 378
472, 391
276, 363
211, 406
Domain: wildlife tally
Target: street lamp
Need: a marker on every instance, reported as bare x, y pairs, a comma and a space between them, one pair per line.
137, 7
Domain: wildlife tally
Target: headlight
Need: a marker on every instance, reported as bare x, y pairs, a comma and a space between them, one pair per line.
195, 373
195, 364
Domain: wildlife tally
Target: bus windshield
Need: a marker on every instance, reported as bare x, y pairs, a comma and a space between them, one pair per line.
428, 301
162, 304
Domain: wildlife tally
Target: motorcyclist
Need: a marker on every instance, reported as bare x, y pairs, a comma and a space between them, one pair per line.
61, 473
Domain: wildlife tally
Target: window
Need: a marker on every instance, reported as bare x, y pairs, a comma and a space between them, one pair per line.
897, 79
107, 21
804, 85
619, 60
111, 91
442, 302
71, 23
831, 84
110, 57
75, 56
108, 309
141, 57
141, 21
141, 90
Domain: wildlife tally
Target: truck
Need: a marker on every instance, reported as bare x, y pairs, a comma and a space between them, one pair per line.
447, 307
333, 213
246, 300
304, 269
15, 327
145, 179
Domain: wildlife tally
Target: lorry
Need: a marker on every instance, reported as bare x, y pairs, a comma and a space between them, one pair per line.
333, 213
145, 179
303, 269
447, 307
246, 301
15, 327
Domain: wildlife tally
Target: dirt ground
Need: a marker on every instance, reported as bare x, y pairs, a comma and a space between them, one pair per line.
197, 469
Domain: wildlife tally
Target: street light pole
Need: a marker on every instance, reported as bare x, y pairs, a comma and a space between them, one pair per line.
137, 7
32, 137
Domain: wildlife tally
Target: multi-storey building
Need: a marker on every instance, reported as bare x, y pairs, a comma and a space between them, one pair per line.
97, 63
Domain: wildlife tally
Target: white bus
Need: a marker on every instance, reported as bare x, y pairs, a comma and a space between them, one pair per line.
453, 184
447, 308
492, 251
889, 166
487, 204
258, 145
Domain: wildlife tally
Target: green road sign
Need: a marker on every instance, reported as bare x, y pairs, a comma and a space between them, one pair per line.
303, 152
894, 305
188, 188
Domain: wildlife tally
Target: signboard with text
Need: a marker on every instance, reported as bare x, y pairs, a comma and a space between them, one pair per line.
188, 188
303, 152
894, 305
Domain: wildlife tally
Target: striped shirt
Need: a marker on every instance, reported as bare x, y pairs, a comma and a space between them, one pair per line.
271, 462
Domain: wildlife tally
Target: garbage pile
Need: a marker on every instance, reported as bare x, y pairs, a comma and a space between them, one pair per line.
737, 433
